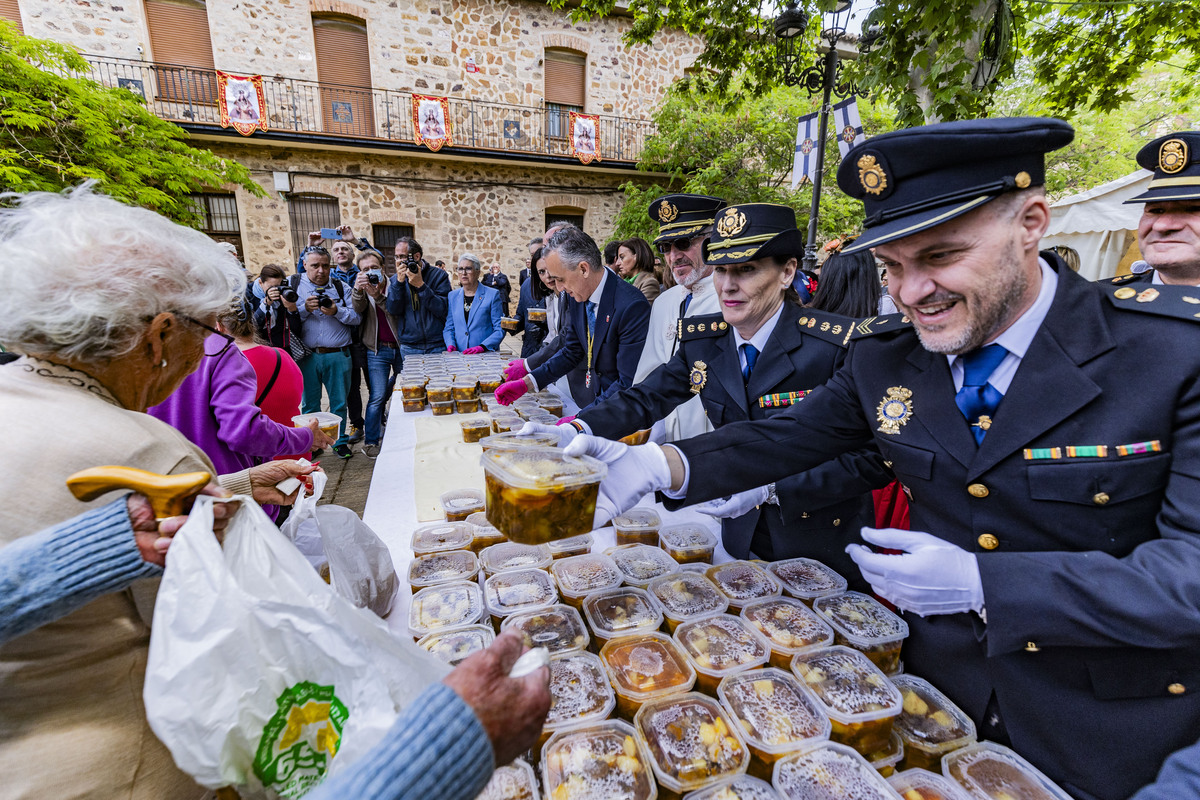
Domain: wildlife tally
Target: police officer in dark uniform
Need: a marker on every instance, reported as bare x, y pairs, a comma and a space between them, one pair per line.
763, 355
1048, 430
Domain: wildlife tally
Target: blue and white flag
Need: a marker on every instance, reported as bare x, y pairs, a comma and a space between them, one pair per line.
849, 126
807, 157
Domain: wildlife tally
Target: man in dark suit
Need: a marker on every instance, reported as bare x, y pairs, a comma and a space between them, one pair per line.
606, 326
1047, 430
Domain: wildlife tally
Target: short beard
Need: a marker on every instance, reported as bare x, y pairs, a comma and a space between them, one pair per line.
697, 274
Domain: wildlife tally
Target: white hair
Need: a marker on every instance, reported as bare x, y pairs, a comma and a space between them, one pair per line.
85, 273
474, 259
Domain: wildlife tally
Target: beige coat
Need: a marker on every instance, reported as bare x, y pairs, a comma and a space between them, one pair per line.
648, 284
72, 724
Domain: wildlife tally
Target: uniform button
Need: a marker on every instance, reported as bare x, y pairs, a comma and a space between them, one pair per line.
978, 490
804, 515
1100, 498
837, 522
1031, 647
988, 542
1176, 688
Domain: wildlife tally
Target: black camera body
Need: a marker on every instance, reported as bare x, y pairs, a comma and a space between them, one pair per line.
412, 265
290, 295
322, 300
373, 280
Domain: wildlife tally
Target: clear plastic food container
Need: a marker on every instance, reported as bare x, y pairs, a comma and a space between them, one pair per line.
578, 576
989, 771
692, 741
517, 441
861, 702
412, 389
641, 563
919, 784
719, 646
645, 666
464, 389
489, 383
518, 590
637, 526
455, 644
507, 424
537, 494
536, 314
929, 723
829, 771
862, 622
462, 503
789, 625
485, 537
558, 628
452, 565
441, 408
620, 612
474, 430
884, 761
471, 406
579, 692
807, 579
439, 392
685, 596
575, 546
510, 555
597, 761
553, 407
741, 787
446, 605
515, 781
743, 581
688, 543
330, 424
412, 406
437, 537
776, 715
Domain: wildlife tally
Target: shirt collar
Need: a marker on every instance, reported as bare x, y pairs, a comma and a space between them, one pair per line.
759, 339
1017, 338
595, 296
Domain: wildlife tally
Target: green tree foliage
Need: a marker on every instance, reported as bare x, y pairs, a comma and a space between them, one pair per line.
57, 131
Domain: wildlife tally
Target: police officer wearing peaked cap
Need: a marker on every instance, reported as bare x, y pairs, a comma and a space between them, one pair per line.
1048, 430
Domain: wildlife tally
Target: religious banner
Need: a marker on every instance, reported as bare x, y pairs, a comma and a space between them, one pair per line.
242, 103
431, 121
849, 125
804, 167
584, 136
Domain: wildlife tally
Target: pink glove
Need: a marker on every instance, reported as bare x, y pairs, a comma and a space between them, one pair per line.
516, 370
451, 349
470, 351
566, 420
510, 391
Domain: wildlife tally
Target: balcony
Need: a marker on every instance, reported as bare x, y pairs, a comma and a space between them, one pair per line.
307, 110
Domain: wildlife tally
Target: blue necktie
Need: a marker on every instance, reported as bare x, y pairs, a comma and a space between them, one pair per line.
683, 307
978, 399
750, 352
591, 319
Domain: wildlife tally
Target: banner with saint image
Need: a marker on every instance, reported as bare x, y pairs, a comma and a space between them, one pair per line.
431, 121
242, 103
584, 136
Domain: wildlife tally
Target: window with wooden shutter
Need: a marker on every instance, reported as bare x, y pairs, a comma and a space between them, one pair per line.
344, 72
182, 49
10, 11
565, 75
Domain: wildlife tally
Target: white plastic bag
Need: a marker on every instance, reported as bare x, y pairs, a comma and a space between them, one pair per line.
301, 525
260, 676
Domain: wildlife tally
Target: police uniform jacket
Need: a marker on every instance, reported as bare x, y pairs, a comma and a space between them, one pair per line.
820, 510
1082, 504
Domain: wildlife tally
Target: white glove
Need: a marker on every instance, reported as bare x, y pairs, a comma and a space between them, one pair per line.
565, 433
633, 472
932, 577
736, 505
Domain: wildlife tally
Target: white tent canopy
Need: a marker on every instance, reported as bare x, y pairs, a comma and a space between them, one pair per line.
1098, 225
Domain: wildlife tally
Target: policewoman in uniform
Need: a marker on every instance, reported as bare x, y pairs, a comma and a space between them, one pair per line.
1048, 430
762, 354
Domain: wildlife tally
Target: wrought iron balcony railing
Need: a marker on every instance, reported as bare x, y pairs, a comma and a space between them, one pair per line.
189, 96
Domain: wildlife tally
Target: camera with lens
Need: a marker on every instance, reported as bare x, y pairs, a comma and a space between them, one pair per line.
372, 279
412, 265
322, 300
290, 295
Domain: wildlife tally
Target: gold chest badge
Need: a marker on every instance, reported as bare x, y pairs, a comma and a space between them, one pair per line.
698, 377
894, 410
731, 224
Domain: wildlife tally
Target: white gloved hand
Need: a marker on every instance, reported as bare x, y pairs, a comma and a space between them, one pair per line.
932, 577
736, 505
565, 433
633, 472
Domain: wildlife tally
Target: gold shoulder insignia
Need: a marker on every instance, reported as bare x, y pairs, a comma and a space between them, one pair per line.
702, 327
1162, 301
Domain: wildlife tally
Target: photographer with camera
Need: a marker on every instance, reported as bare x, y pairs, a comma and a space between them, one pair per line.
418, 299
379, 336
264, 295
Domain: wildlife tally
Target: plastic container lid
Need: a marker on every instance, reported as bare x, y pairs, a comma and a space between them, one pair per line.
642, 563
579, 690
687, 538
452, 565
743, 787
647, 665
510, 555
829, 770
479, 424
463, 501
558, 628
929, 721
597, 760
692, 741
621, 611
580, 575
742, 581
920, 784
576, 545
861, 619
637, 520
722, 645
774, 711
455, 644
687, 595
851, 688
807, 579
323, 419
543, 468
518, 590
440, 536
447, 605
889, 756
515, 441
515, 781
992, 771
790, 626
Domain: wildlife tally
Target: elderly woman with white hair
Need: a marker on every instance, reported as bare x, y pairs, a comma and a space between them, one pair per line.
116, 317
473, 322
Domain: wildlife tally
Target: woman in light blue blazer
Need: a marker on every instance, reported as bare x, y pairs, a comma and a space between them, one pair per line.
473, 322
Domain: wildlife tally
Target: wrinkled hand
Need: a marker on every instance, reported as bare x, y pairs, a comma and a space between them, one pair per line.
633, 472
516, 370
361, 283
931, 577
510, 391
735, 505
347, 233
153, 536
511, 710
264, 477
314, 238
320, 439
565, 433
470, 351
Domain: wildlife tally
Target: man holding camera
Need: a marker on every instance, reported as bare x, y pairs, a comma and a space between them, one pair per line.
329, 311
378, 333
418, 300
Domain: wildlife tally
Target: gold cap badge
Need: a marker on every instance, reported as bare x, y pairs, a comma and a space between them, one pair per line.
667, 212
1022, 180
871, 175
1172, 156
730, 225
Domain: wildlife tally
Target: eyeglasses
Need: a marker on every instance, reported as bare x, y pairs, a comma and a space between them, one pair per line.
681, 244
228, 339
465, 269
